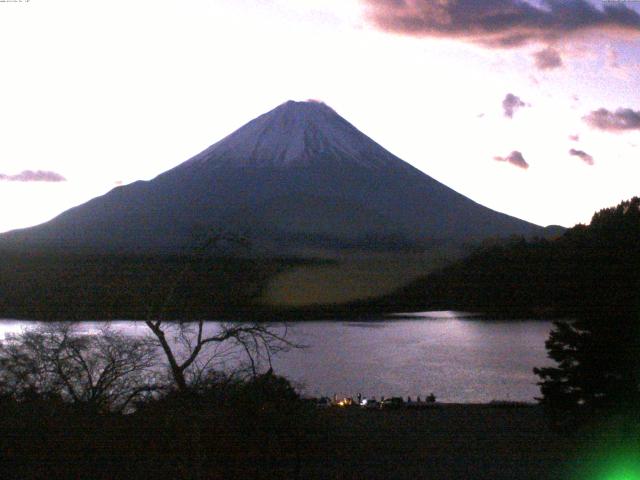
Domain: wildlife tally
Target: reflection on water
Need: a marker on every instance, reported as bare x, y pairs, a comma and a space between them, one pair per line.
435, 315
8, 327
457, 358
367, 324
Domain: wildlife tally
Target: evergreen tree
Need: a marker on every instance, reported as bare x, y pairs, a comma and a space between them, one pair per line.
598, 353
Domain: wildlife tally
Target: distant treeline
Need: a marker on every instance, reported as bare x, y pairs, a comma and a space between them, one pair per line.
589, 268
594, 267
56, 285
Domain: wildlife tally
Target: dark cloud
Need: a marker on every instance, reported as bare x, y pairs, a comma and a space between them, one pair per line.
514, 158
501, 23
621, 119
33, 176
547, 59
586, 158
574, 138
511, 103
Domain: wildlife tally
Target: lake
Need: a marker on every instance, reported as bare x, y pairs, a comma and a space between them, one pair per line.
453, 355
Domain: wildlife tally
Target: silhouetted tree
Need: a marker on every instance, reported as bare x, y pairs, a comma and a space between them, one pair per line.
597, 370
194, 348
598, 353
103, 372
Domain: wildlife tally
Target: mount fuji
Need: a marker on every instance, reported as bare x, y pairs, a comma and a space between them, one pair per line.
299, 176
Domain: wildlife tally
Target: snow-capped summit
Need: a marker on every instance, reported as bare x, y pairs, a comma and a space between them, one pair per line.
297, 134
297, 177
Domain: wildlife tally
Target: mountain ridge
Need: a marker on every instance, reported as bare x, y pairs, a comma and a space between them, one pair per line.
294, 153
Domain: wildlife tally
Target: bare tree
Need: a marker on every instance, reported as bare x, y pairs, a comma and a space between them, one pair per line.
105, 372
193, 349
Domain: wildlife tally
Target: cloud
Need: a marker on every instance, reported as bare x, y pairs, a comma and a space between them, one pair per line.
586, 158
613, 60
574, 138
501, 23
511, 103
547, 59
620, 120
514, 158
33, 176
619, 69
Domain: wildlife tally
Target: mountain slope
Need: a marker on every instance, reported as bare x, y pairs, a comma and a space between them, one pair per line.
297, 175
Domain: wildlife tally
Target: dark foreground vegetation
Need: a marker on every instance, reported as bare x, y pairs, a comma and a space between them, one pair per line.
262, 429
230, 429
74, 405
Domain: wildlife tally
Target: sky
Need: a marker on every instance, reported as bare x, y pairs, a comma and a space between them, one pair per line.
530, 108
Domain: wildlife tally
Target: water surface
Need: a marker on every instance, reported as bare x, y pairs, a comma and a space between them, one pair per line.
458, 358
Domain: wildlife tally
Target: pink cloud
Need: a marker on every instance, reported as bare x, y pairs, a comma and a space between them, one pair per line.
511, 103
584, 156
502, 23
33, 176
547, 59
514, 158
620, 120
